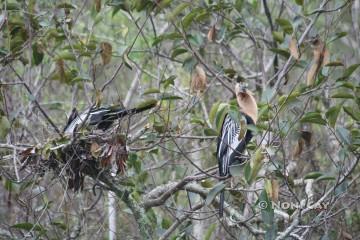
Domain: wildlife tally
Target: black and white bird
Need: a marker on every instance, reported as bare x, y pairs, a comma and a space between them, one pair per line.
233, 140
100, 118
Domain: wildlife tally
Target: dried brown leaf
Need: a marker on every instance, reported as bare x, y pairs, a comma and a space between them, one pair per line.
298, 148
106, 156
99, 98
310, 77
211, 36
121, 154
275, 190
293, 47
97, 5
345, 235
321, 57
106, 51
326, 57
60, 66
95, 149
199, 80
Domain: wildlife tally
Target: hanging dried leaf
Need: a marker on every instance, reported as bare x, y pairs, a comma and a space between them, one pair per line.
310, 77
199, 80
95, 149
293, 47
345, 235
275, 190
121, 154
242, 129
298, 148
99, 98
60, 67
105, 156
211, 36
97, 5
306, 135
106, 51
326, 58
321, 57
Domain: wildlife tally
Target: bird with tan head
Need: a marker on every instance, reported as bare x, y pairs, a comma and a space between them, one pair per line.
231, 144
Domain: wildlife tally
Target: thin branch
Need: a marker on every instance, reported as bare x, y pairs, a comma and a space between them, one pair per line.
180, 220
36, 102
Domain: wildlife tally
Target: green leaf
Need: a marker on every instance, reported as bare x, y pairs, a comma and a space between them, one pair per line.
299, 2
188, 19
147, 103
66, 55
169, 81
177, 10
11, 6
288, 99
332, 114
337, 36
80, 79
4, 126
213, 192
257, 162
278, 36
313, 175
267, 206
151, 91
326, 178
285, 25
220, 115
169, 36
239, 5
353, 112
177, 52
196, 120
313, 117
281, 52
166, 223
209, 231
247, 172
8, 185
341, 188
236, 170
344, 135
334, 64
66, 6
342, 94
213, 111
189, 63
167, 96
348, 71
38, 54
210, 132
29, 226
203, 15
59, 224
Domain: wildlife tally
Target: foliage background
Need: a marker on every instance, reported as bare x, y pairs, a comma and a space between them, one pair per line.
59, 55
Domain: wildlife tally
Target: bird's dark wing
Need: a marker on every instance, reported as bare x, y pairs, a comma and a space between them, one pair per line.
74, 114
228, 142
102, 118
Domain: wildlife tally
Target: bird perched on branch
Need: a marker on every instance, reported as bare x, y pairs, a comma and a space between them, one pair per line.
234, 136
101, 118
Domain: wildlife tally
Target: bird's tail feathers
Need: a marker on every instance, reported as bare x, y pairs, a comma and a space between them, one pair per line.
221, 205
121, 112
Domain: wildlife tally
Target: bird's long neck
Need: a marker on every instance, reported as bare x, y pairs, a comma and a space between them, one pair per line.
248, 106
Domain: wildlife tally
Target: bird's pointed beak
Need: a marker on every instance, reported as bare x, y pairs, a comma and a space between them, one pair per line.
240, 88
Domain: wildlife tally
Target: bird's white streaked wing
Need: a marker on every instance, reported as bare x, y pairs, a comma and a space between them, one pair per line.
75, 123
228, 143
